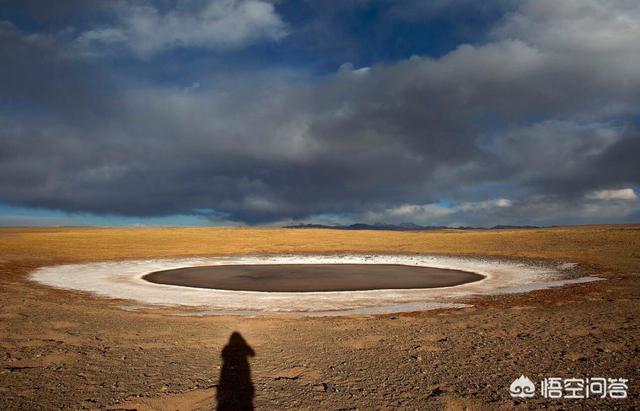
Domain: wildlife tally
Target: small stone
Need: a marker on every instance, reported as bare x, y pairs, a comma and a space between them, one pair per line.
435, 392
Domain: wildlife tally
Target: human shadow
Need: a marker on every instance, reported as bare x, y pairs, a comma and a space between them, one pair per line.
235, 388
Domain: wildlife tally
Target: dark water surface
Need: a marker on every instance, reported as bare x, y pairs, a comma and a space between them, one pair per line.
311, 277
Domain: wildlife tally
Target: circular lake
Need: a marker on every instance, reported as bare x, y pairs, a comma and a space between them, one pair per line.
312, 277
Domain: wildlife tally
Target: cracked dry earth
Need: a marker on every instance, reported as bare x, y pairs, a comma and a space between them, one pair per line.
69, 350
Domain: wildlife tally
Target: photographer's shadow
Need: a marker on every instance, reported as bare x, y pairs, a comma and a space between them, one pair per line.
235, 388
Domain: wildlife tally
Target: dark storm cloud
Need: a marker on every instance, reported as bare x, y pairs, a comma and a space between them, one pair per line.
620, 161
419, 10
48, 11
529, 111
37, 75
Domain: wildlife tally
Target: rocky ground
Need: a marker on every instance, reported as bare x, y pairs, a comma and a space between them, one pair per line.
68, 350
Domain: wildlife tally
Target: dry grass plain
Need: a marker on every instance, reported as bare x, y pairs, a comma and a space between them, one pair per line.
70, 350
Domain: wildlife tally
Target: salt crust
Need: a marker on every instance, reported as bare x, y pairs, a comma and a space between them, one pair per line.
123, 280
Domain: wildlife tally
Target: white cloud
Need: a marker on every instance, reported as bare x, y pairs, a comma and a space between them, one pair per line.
575, 25
483, 205
419, 211
435, 213
621, 194
219, 24
605, 206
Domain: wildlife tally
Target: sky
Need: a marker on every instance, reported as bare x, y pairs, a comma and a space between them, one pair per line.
259, 112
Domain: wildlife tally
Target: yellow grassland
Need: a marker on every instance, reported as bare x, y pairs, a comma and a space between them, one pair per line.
614, 247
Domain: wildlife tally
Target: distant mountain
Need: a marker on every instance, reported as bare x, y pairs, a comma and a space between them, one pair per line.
405, 227
376, 226
512, 227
